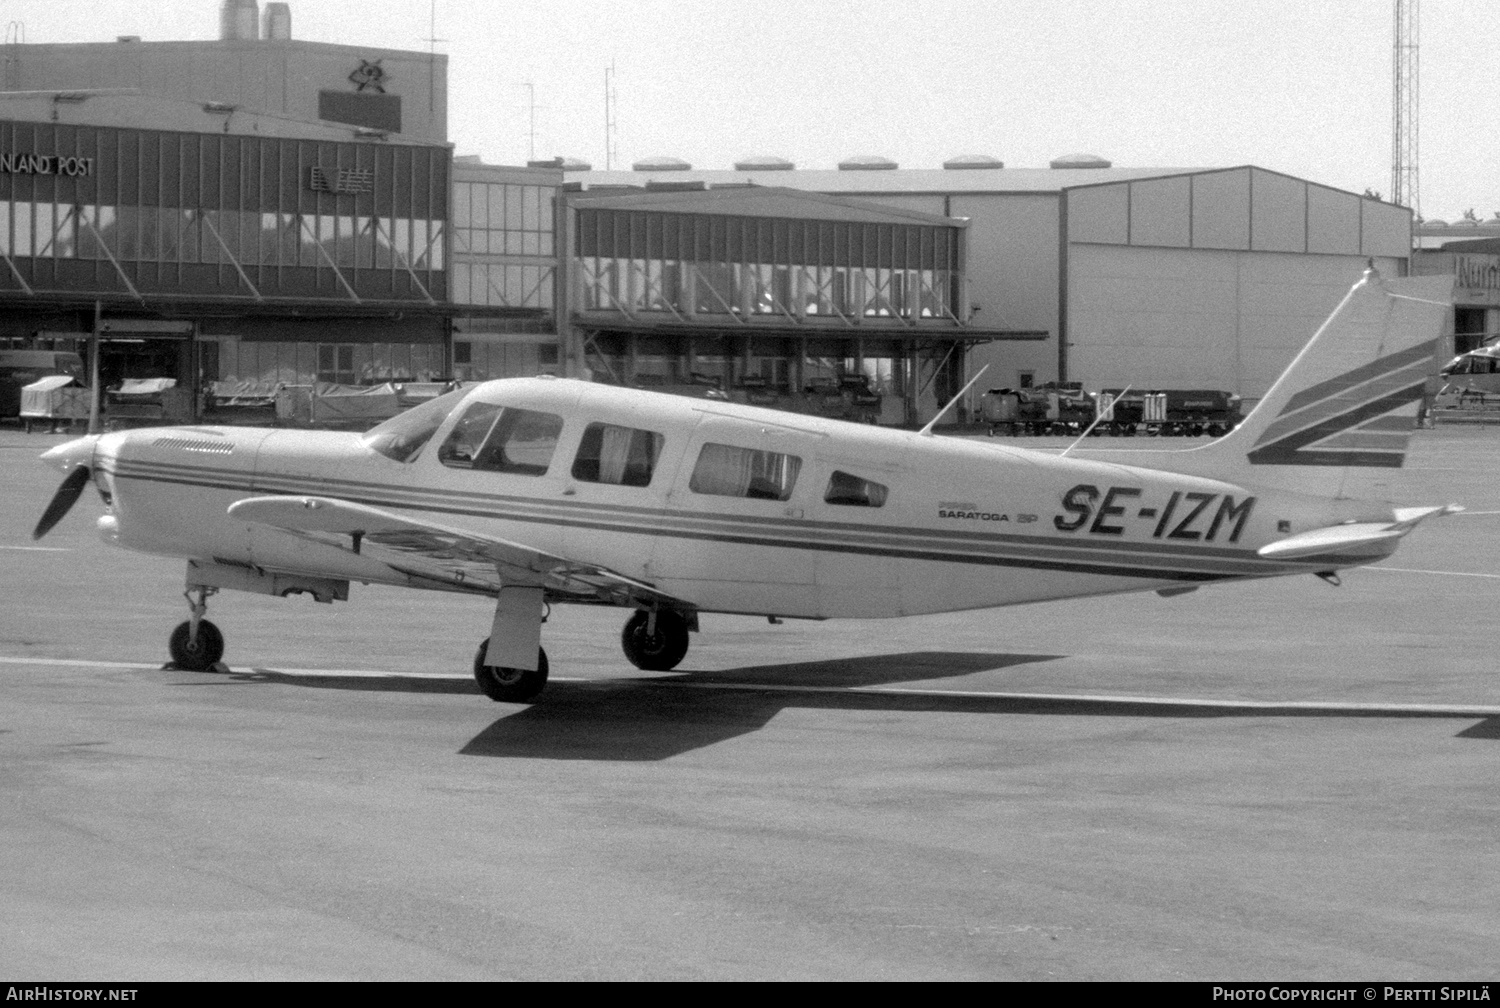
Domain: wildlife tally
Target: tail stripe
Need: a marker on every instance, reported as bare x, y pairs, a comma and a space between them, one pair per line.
1420, 354
1341, 403
1358, 438
1294, 448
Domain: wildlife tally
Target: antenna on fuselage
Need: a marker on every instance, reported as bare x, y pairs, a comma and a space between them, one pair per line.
1098, 416
927, 431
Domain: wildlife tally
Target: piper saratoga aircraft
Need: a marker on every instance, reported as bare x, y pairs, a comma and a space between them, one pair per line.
535, 491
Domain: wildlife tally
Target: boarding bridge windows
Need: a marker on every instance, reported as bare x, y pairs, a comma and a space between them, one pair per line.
501, 439
622, 456
854, 491
726, 471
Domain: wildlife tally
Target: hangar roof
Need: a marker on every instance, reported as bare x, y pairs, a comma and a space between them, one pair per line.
900, 180
754, 201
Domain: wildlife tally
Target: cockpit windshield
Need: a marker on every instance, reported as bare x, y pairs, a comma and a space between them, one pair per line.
403, 435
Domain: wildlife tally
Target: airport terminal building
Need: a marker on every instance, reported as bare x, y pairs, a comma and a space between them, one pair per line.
215, 252
242, 209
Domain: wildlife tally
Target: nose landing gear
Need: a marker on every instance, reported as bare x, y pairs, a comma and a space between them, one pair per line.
655, 641
196, 645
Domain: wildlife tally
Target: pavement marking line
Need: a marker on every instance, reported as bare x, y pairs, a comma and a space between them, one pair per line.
1473, 513
76, 661
1413, 570
1458, 710
1464, 710
39, 549
346, 673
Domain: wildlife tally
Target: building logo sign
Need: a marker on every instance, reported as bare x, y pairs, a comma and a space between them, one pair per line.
369, 75
341, 180
45, 164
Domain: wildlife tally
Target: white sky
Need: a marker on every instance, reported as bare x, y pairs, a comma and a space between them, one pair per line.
1299, 87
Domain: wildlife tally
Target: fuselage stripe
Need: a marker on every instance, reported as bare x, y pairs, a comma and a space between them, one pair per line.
504, 507
1051, 555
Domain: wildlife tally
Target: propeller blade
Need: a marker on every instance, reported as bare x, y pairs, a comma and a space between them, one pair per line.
62, 502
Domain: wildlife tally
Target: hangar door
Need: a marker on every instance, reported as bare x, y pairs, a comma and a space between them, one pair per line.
1213, 279
1198, 318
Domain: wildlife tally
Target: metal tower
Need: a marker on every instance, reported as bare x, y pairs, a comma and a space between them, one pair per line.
611, 127
1405, 65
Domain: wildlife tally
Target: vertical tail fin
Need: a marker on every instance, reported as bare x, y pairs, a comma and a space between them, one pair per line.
1340, 417
1350, 397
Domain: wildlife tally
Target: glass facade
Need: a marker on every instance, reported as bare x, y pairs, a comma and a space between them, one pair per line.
169, 235
701, 264
304, 363
503, 246
861, 318
222, 215
485, 348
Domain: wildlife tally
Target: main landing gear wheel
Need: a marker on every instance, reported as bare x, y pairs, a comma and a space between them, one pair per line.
196, 655
657, 651
196, 645
509, 685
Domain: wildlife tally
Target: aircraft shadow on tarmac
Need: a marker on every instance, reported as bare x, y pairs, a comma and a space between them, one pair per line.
655, 718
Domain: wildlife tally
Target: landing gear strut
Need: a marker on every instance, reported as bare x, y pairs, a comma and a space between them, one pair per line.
196, 645
509, 685
655, 641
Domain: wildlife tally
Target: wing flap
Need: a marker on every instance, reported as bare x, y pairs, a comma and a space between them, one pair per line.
457, 557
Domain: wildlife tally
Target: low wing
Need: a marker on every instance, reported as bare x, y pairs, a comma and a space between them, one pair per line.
1352, 539
455, 558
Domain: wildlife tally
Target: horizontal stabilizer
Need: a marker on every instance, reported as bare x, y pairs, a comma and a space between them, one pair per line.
1334, 539
1409, 517
1353, 537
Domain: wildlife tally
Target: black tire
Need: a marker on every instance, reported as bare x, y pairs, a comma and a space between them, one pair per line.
198, 657
509, 685
658, 652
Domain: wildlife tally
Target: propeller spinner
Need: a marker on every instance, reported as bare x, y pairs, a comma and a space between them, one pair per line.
74, 458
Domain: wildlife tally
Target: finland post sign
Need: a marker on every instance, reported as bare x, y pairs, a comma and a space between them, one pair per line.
45, 164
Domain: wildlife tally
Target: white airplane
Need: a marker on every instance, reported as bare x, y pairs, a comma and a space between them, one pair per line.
535, 491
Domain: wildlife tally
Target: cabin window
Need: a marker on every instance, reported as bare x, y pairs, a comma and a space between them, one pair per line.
403, 435
502, 439
846, 488
744, 472
620, 455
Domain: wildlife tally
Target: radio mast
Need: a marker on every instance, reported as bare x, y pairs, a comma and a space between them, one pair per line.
1405, 65
531, 110
611, 152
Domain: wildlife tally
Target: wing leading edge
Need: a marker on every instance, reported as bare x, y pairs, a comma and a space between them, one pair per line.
455, 558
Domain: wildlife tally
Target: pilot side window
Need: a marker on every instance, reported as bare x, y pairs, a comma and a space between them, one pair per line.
846, 488
620, 455
502, 439
744, 472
